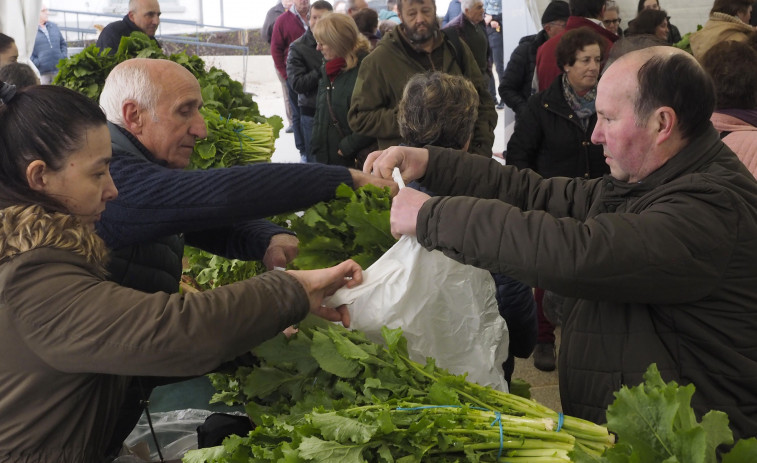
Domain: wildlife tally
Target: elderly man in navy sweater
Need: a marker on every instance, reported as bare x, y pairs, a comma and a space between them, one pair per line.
154, 120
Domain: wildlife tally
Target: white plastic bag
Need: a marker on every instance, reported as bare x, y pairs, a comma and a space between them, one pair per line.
447, 310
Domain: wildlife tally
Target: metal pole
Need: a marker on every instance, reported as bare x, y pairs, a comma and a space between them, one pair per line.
201, 11
222, 13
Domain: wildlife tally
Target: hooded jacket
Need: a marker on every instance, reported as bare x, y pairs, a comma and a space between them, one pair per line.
382, 78
71, 339
663, 269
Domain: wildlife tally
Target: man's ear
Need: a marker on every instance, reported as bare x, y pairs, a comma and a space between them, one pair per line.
35, 175
133, 116
666, 122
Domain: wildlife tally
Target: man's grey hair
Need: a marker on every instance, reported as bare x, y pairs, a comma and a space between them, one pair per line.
133, 5
612, 6
131, 82
468, 4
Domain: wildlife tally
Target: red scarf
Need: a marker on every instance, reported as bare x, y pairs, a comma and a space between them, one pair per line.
334, 67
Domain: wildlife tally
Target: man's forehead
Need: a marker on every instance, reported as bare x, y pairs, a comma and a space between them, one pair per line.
418, 3
148, 6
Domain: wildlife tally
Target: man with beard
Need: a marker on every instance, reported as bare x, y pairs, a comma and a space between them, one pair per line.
417, 45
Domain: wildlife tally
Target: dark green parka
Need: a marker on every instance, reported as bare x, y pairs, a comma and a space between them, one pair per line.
330, 137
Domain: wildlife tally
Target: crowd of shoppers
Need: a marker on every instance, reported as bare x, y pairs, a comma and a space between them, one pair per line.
624, 198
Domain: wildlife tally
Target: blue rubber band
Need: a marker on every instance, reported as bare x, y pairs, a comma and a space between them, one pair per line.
498, 419
560, 419
237, 130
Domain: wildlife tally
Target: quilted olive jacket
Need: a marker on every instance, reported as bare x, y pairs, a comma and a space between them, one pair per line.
664, 269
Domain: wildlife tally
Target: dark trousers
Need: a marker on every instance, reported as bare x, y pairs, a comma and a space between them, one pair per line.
299, 140
496, 44
306, 124
546, 333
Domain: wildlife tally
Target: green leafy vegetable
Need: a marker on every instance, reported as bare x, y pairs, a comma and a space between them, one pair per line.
330, 395
654, 421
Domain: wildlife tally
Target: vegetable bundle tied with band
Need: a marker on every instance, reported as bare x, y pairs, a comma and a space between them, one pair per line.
330, 395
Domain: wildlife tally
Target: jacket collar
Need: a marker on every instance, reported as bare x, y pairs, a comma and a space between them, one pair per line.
122, 138
24, 228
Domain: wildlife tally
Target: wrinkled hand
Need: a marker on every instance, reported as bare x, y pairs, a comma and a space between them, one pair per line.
403, 218
360, 179
324, 282
412, 162
281, 250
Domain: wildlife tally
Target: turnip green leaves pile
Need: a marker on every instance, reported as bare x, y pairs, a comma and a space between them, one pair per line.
330, 395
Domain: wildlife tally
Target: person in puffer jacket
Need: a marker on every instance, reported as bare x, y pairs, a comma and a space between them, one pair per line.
659, 253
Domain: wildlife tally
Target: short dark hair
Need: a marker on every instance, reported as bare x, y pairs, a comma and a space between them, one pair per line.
5, 42
731, 7
586, 8
19, 74
437, 109
574, 41
641, 5
672, 81
321, 5
646, 22
42, 122
366, 20
733, 68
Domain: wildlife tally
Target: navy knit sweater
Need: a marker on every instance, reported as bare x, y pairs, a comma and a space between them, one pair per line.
216, 209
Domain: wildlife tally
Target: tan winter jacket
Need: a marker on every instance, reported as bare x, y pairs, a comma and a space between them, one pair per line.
70, 339
720, 27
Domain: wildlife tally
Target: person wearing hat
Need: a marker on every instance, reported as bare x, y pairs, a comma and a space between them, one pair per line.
516, 82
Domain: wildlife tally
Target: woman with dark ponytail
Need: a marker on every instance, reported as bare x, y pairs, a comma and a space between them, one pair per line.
70, 339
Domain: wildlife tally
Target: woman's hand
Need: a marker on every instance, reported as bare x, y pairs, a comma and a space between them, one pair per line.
324, 282
412, 162
403, 218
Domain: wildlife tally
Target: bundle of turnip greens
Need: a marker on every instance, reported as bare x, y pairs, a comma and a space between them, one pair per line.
232, 142
328, 394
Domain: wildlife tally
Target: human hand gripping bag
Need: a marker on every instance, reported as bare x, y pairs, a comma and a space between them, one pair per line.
447, 310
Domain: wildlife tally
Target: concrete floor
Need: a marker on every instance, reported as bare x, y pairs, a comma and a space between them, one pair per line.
544, 385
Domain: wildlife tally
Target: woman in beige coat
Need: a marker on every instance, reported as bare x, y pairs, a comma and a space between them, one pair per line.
729, 20
70, 339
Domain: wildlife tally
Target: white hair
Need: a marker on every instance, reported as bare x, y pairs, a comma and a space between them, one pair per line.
127, 82
468, 4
